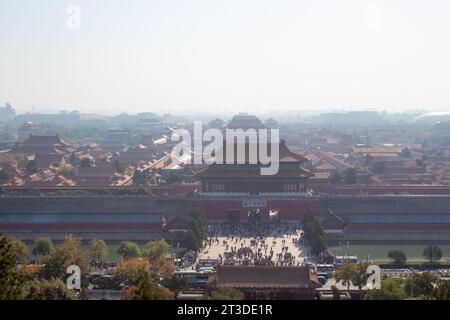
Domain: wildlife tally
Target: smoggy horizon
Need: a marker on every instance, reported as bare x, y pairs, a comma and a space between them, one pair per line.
109, 57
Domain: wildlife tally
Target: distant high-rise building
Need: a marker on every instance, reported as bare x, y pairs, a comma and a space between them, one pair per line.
25, 130
116, 140
272, 124
216, 124
41, 145
351, 117
245, 121
7, 113
148, 120
63, 117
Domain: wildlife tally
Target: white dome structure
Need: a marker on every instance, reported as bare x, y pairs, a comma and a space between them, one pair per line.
433, 117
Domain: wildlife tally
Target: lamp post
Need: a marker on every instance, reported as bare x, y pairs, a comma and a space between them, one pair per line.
27, 232
35, 252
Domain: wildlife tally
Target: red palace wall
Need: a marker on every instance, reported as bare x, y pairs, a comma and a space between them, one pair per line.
380, 190
81, 226
288, 209
399, 226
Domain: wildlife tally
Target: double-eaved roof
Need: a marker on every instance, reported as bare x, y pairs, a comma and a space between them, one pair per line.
293, 277
248, 168
41, 144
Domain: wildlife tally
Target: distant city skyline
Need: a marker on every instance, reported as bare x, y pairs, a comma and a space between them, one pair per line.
224, 57
215, 114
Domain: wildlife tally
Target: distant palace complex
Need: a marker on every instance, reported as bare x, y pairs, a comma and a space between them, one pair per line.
230, 193
233, 192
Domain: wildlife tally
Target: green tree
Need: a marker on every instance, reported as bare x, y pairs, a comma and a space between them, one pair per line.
20, 249
432, 253
31, 167
144, 288
352, 273
190, 242
336, 178
140, 178
162, 268
420, 163
66, 171
309, 166
131, 268
128, 250
336, 293
360, 275
308, 217
69, 252
368, 159
314, 233
85, 163
391, 289
4, 175
97, 250
72, 158
227, 294
397, 256
198, 230
379, 167
346, 274
11, 282
156, 249
119, 167
350, 176
442, 290
199, 217
318, 244
42, 247
175, 283
53, 289
174, 178
405, 153
421, 284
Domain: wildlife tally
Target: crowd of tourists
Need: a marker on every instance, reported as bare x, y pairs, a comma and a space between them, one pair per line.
250, 244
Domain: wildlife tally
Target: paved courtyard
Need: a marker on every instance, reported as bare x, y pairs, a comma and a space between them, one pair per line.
275, 244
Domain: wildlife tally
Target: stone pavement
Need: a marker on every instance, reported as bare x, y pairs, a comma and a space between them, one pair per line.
273, 239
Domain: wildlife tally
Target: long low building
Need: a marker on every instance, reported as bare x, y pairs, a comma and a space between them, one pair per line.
387, 218
438, 222
354, 190
274, 282
395, 217
104, 225
136, 218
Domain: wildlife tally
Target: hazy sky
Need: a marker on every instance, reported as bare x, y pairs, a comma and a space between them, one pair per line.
225, 55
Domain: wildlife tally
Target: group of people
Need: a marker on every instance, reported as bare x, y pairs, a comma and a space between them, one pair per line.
248, 244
